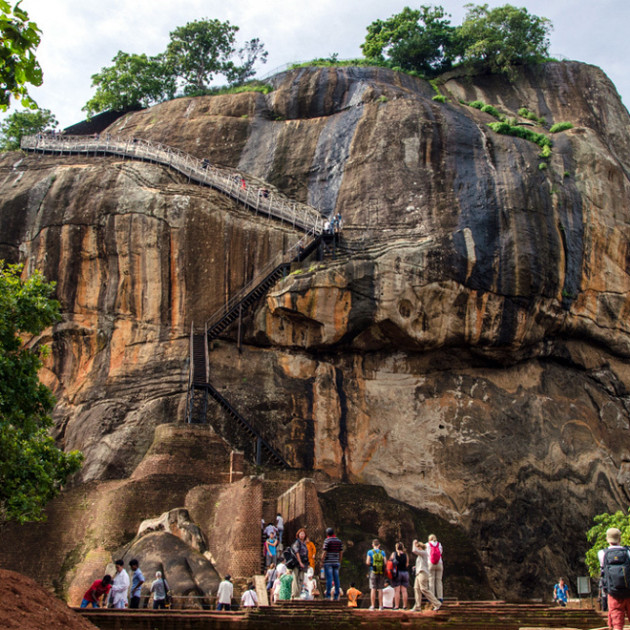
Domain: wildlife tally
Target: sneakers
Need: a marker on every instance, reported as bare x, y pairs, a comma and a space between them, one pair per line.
436, 608
371, 607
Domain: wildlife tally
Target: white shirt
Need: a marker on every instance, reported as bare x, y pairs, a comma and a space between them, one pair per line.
422, 561
279, 523
249, 598
270, 529
224, 594
120, 586
388, 597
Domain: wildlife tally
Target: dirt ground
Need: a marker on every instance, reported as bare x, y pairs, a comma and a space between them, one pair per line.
25, 605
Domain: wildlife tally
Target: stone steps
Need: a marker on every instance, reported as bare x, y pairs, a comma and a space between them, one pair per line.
325, 615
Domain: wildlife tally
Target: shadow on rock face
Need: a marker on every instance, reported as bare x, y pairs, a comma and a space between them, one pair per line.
361, 513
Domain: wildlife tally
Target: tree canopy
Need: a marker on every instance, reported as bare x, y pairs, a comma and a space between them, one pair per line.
19, 37
421, 40
32, 468
492, 40
133, 80
196, 53
24, 123
499, 39
597, 536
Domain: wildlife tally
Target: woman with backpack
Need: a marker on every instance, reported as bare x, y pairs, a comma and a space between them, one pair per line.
400, 560
436, 567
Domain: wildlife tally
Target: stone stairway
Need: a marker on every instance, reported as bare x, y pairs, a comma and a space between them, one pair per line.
337, 616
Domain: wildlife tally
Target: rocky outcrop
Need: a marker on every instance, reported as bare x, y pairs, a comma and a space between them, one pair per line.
470, 356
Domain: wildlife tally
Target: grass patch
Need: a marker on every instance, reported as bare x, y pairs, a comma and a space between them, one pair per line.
561, 126
542, 166
493, 111
545, 153
440, 98
476, 104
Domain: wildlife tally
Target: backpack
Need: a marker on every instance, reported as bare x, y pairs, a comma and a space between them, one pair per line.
435, 554
290, 558
616, 572
391, 569
378, 562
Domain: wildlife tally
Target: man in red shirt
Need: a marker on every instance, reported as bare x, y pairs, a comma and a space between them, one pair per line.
95, 593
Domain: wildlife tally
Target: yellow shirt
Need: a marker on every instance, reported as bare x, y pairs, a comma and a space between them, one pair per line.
311, 553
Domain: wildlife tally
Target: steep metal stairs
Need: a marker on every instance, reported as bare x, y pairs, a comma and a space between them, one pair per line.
237, 430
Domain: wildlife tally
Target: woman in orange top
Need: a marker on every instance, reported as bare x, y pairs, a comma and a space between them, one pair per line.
310, 546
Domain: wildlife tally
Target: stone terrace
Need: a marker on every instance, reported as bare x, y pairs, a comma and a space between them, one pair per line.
460, 616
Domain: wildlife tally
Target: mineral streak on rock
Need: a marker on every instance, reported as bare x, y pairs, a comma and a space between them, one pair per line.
471, 353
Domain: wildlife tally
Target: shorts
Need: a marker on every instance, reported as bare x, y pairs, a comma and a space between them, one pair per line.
377, 582
401, 579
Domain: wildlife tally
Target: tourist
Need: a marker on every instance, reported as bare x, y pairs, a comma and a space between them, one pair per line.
286, 585
561, 593
421, 583
301, 554
353, 594
376, 559
270, 546
97, 593
137, 580
270, 529
389, 596
249, 599
312, 553
280, 526
615, 563
159, 588
332, 553
281, 569
270, 577
309, 585
436, 567
120, 586
401, 579
224, 594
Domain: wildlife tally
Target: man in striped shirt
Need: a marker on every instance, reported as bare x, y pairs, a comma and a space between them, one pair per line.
331, 561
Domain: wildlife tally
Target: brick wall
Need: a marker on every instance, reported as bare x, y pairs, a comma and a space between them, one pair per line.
300, 507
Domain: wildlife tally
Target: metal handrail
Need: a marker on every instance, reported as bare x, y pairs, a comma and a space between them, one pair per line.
228, 181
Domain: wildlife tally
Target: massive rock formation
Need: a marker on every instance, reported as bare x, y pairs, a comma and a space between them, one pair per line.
471, 356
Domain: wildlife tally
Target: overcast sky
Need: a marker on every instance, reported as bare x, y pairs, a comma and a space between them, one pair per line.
80, 37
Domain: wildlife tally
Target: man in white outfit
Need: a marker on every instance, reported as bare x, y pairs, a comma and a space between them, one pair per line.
421, 584
120, 586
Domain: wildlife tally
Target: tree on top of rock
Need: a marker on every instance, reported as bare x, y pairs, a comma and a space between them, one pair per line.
499, 39
204, 48
32, 468
422, 40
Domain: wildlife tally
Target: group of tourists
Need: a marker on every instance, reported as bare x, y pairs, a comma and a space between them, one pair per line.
291, 570
121, 591
390, 575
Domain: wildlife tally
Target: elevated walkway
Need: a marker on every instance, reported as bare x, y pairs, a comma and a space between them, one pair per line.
259, 198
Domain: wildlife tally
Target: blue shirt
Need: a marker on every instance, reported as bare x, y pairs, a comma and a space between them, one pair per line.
561, 593
371, 553
136, 582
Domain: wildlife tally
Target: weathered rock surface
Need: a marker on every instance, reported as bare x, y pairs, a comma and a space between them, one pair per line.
471, 357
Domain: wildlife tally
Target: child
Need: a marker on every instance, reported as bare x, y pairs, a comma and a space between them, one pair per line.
389, 593
353, 594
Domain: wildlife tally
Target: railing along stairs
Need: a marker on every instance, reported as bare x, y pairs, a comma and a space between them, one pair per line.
231, 182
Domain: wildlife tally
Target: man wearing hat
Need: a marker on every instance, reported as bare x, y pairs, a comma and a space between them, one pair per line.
224, 594
618, 604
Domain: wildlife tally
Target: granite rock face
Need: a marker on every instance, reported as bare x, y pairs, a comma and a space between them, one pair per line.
470, 354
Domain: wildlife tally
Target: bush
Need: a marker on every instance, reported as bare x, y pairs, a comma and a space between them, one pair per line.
525, 113
561, 126
546, 152
493, 111
476, 104
542, 166
440, 98
527, 134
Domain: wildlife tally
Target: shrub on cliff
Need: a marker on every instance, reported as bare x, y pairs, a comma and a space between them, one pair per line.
32, 468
